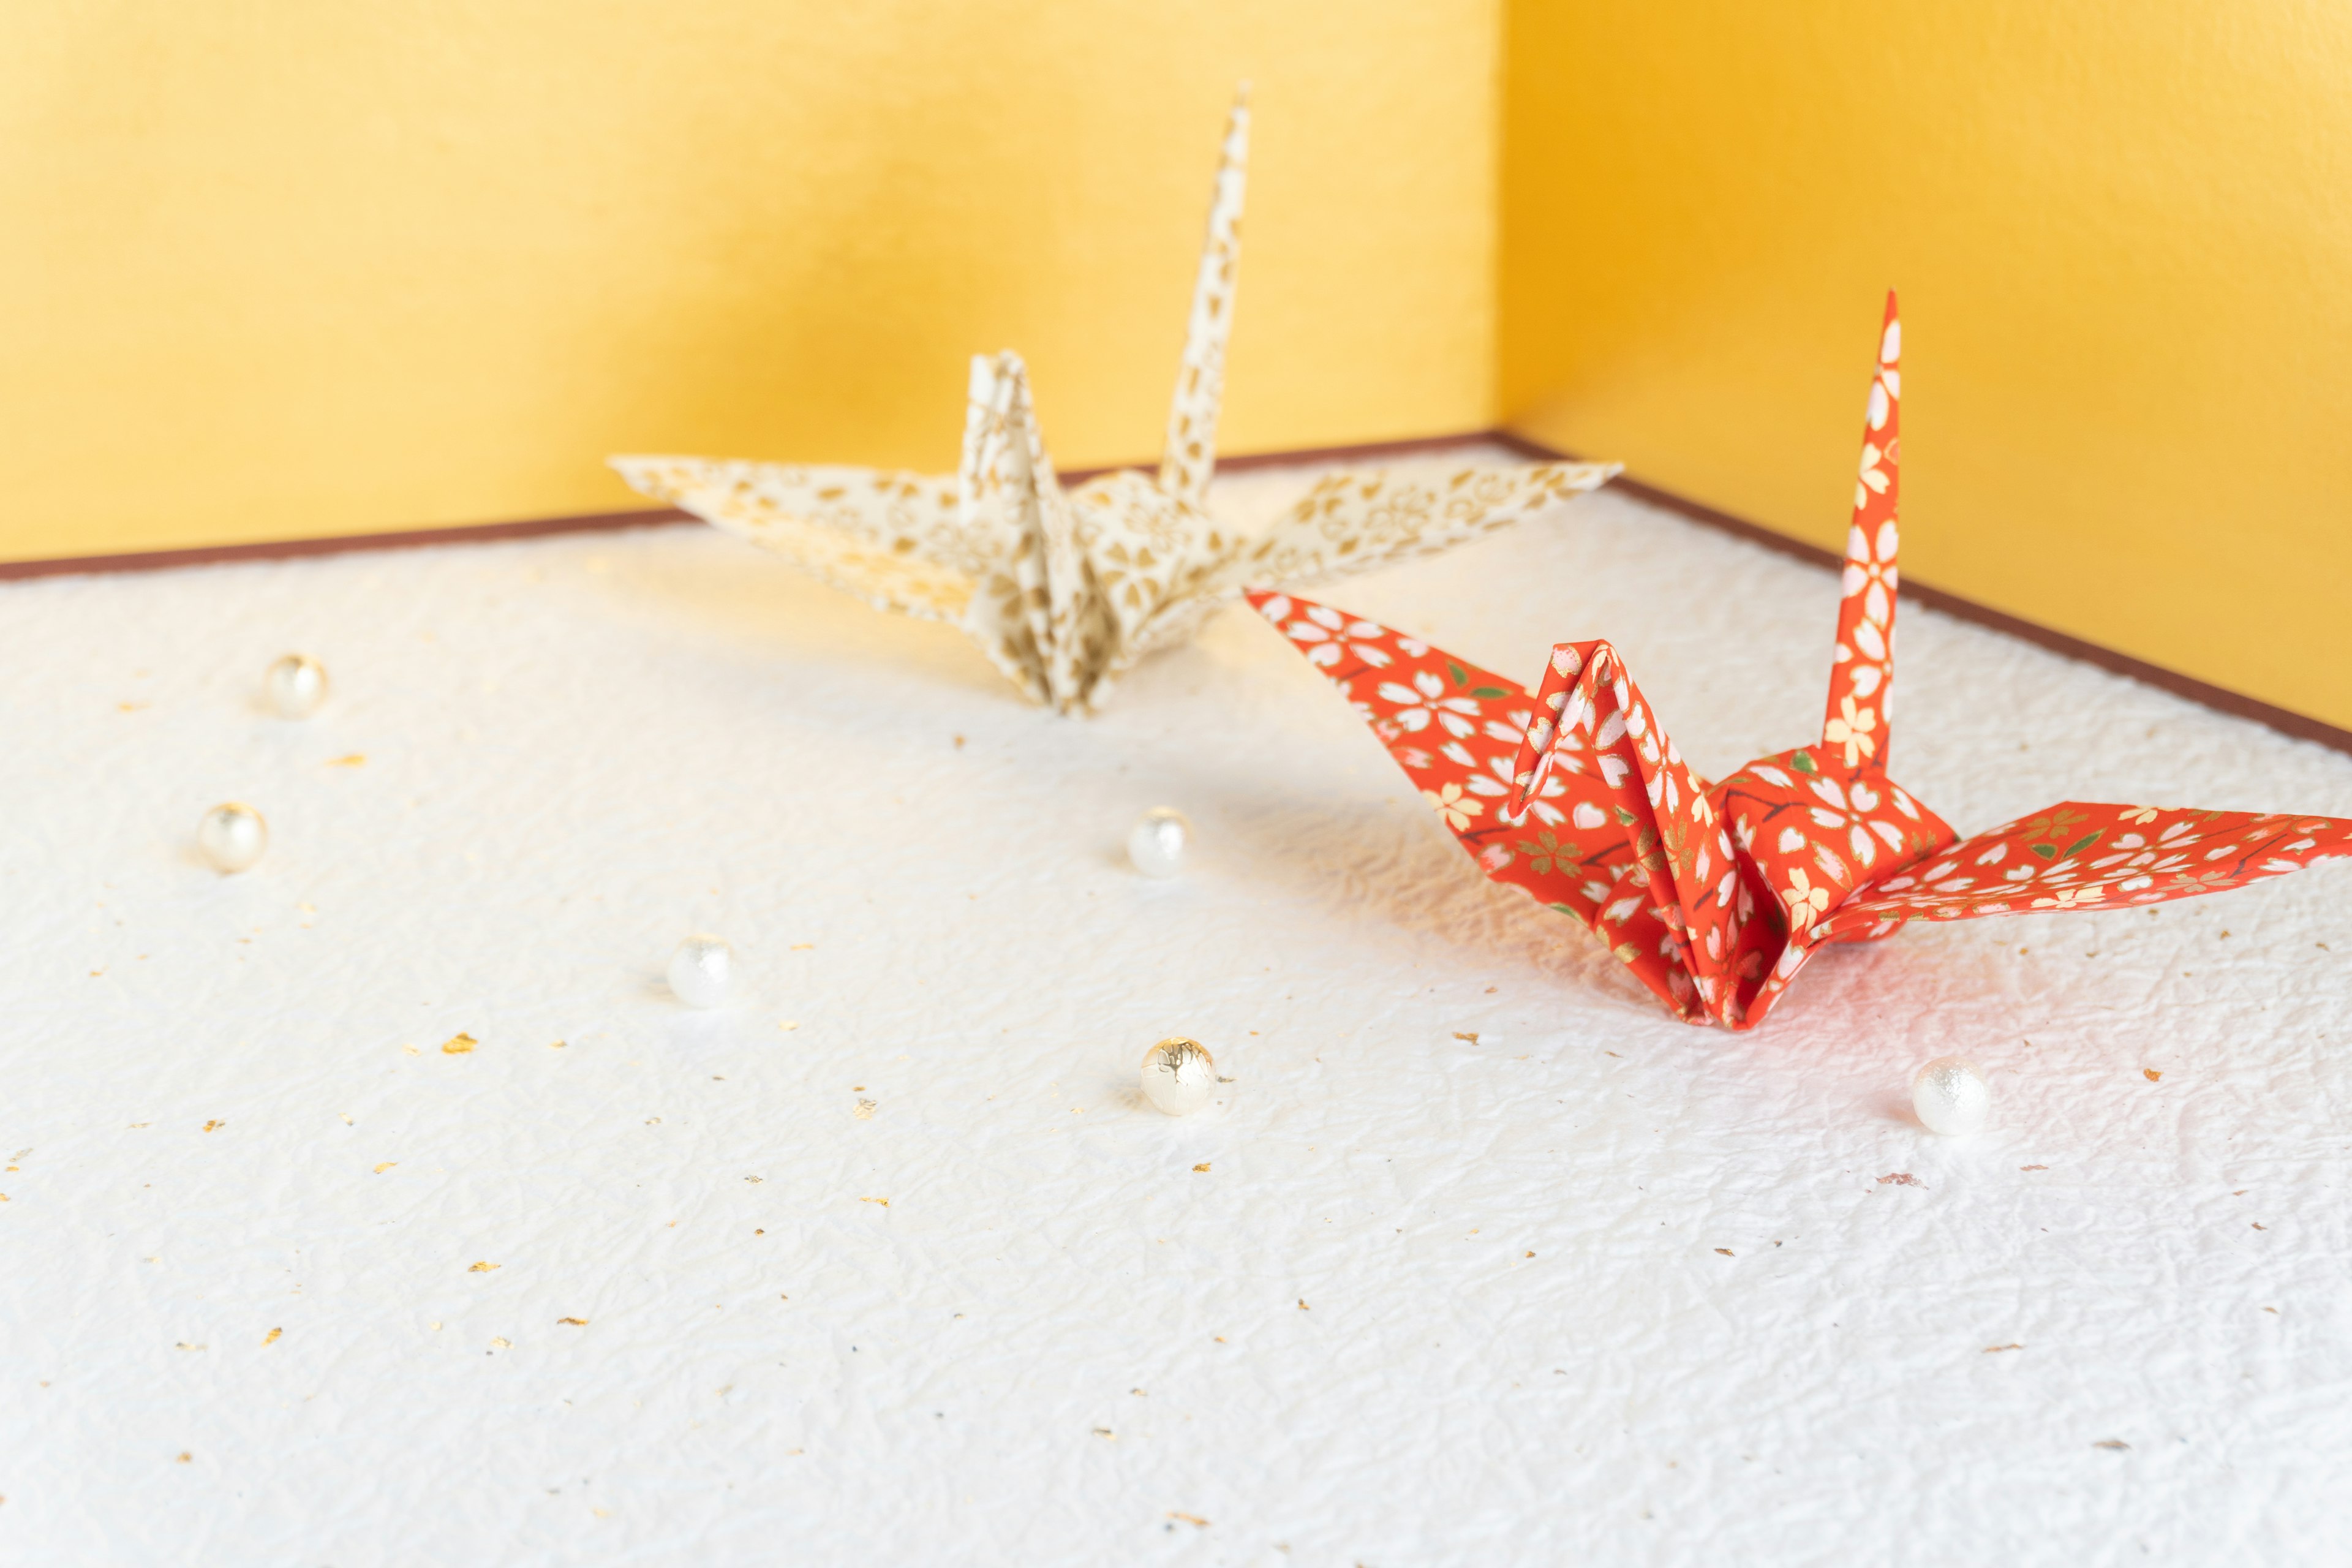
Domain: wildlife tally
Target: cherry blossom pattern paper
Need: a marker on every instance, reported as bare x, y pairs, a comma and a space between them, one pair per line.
1063, 590
1716, 895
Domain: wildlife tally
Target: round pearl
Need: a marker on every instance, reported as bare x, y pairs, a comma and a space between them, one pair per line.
1156, 843
1950, 1096
231, 837
297, 684
697, 971
1179, 1074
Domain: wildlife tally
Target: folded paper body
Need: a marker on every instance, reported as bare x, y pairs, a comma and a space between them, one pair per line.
1716, 895
1065, 589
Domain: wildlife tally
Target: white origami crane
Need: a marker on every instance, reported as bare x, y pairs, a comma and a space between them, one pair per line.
1064, 590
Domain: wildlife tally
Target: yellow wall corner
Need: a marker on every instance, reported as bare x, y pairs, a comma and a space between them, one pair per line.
2123, 247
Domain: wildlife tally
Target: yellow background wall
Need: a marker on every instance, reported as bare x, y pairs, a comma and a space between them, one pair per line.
273, 267
2123, 235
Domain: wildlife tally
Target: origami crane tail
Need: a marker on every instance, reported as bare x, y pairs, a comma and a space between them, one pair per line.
1862, 676
1190, 458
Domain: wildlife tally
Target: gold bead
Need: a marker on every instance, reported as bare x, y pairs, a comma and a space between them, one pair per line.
1179, 1074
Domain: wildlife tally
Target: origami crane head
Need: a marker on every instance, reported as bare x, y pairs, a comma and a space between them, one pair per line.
1715, 896
1063, 590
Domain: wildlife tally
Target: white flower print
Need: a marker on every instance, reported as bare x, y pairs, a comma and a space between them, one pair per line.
2146, 863
1874, 645
1330, 636
1426, 700
2071, 897
1872, 573
1886, 386
1541, 809
1844, 810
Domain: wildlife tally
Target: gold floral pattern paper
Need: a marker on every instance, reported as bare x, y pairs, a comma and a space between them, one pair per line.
1063, 589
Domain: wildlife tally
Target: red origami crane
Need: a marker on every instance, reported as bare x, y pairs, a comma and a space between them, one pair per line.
1716, 895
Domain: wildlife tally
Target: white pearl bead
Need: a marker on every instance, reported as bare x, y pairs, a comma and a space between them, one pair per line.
231, 837
1179, 1074
1156, 844
1951, 1096
697, 971
297, 684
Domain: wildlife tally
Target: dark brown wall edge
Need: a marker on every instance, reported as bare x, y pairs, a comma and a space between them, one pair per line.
600, 521
289, 549
2215, 696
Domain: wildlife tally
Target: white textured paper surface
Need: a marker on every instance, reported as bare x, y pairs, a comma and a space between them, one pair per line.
1597, 1285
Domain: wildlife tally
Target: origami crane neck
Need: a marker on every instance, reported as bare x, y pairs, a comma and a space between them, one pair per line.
1862, 676
1854, 729
1190, 458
